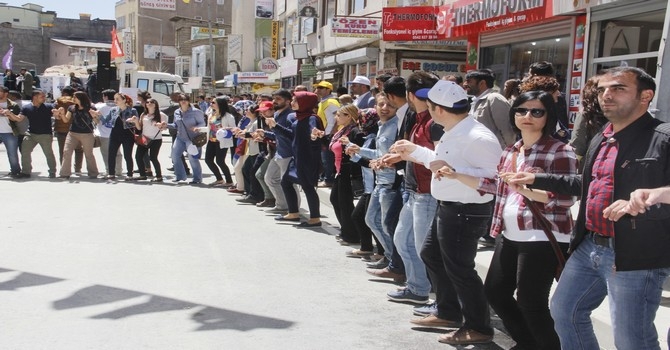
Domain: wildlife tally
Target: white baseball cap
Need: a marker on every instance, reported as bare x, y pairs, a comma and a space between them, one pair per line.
445, 93
359, 79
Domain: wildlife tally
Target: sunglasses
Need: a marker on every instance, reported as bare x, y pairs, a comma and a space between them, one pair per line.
534, 112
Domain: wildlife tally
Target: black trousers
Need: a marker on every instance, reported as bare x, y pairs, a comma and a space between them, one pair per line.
215, 158
342, 199
449, 254
120, 137
527, 268
153, 150
251, 185
364, 232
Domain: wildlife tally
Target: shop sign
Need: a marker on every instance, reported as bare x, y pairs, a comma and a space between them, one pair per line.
250, 77
203, 33
466, 17
409, 65
275, 40
308, 70
268, 65
409, 23
392, 71
355, 27
159, 4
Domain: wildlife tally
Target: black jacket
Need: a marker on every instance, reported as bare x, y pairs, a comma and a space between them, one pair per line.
643, 161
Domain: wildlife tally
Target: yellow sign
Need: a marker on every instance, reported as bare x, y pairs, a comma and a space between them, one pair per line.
275, 40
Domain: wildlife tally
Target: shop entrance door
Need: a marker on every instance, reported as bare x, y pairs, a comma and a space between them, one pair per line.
497, 59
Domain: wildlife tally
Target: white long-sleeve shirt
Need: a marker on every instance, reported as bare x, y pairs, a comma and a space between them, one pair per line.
470, 148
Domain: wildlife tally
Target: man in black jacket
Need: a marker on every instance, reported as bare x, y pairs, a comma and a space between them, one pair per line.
632, 152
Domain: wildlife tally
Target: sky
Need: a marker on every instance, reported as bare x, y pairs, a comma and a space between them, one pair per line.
103, 9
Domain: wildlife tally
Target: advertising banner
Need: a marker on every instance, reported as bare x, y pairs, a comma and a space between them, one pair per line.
169, 5
203, 33
355, 27
409, 23
265, 9
307, 8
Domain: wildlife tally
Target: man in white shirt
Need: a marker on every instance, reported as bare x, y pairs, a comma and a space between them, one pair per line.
463, 213
105, 129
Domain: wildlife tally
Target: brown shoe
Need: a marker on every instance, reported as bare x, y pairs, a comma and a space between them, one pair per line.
464, 336
267, 203
434, 321
386, 273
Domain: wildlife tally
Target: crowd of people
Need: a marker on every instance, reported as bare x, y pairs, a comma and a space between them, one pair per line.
439, 166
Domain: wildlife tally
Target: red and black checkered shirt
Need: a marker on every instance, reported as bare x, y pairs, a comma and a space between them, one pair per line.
601, 188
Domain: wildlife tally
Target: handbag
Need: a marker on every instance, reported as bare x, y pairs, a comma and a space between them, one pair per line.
546, 227
142, 140
200, 138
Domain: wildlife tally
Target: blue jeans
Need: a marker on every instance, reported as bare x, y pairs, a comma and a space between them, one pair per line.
634, 297
415, 220
380, 207
11, 143
178, 148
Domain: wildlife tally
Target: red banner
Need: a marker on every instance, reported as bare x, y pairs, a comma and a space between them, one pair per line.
466, 17
116, 50
409, 23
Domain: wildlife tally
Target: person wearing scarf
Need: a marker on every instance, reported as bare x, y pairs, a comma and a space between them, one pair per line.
305, 166
342, 193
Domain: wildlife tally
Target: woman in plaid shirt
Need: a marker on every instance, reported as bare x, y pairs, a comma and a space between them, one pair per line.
523, 260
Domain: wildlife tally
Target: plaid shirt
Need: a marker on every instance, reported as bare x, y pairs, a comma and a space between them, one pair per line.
601, 188
548, 155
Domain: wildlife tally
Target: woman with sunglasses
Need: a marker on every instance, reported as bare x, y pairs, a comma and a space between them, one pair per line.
122, 133
342, 194
524, 261
150, 124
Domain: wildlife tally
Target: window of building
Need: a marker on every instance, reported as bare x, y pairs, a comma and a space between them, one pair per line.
356, 5
264, 47
199, 18
330, 9
513, 60
220, 2
631, 40
120, 22
220, 20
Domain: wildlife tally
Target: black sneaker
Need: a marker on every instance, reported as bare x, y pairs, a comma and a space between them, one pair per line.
25, 176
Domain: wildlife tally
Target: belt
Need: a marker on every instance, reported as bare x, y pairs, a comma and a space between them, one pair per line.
603, 241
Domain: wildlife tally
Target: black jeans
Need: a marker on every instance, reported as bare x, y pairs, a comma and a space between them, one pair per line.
342, 199
364, 232
291, 195
153, 150
251, 185
120, 137
449, 254
527, 268
215, 158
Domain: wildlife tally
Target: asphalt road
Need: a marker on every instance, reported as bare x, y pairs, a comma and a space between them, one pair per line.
86, 264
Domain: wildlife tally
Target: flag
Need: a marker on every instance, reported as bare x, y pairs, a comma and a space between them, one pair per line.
7, 58
117, 50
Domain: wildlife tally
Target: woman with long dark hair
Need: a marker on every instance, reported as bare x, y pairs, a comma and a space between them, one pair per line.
122, 133
187, 121
80, 135
524, 263
150, 124
215, 153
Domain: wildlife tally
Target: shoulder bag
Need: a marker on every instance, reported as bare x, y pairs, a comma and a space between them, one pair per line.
200, 138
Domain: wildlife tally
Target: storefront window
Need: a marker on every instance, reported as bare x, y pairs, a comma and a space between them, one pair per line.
512, 61
631, 40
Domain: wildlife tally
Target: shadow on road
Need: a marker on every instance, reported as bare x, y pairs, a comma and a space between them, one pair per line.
208, 317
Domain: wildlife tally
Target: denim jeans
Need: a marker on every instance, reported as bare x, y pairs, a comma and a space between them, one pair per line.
634, 297
178, 149
414, 223
384, 202
11, 143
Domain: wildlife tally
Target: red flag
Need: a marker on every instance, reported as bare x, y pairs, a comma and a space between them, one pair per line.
117, 50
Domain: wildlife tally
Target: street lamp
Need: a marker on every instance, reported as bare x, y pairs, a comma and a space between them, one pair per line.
160, 54
32, 64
